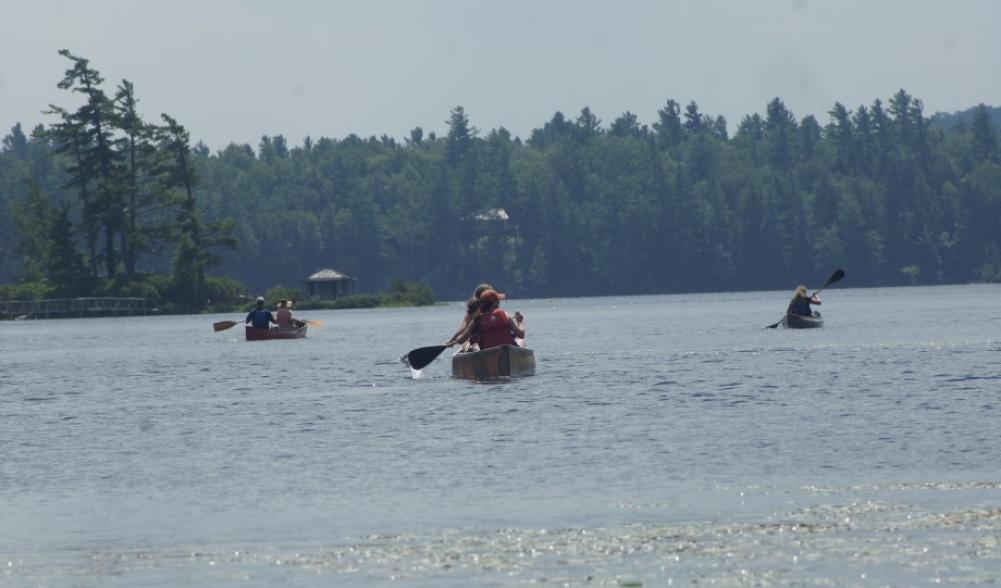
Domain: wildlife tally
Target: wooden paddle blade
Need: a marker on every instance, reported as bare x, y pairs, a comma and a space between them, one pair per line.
421, 357
314, 322
223, 325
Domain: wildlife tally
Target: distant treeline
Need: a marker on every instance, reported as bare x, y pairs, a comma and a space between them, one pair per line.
588, 208
965, 117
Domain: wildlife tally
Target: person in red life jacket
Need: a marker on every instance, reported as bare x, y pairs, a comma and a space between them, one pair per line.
493, 325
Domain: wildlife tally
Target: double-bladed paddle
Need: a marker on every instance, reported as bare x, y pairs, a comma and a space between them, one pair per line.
835, 277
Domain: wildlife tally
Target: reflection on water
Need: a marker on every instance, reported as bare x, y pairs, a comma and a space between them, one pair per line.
665, 441
864, 542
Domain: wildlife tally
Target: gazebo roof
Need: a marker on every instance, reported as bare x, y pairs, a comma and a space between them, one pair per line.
328, 275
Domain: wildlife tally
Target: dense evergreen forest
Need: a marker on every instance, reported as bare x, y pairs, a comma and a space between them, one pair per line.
579, 207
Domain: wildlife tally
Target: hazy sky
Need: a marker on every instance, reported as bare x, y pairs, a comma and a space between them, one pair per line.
233, 70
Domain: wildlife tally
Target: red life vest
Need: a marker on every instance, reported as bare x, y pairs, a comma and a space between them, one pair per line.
495, 329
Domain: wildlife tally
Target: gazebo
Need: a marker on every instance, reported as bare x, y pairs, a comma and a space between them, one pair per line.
328, 283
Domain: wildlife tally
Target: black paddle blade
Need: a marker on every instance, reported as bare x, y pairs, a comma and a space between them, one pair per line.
421, 357
836, 276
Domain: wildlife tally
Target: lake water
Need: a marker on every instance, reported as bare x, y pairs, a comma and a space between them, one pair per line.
666, 440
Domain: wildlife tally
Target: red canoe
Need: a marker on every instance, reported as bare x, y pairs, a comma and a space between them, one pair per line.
255, 334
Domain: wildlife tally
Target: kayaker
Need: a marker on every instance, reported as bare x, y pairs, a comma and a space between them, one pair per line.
493, 325
261, 317
800, 303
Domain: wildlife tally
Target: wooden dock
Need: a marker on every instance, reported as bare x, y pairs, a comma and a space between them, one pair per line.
75, 307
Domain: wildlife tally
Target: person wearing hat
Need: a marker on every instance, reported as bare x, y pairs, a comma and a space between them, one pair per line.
472, 309
261, 317
283, 316
801, 301
493, 325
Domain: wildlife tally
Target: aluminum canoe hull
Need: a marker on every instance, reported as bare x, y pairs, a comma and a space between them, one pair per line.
505, 361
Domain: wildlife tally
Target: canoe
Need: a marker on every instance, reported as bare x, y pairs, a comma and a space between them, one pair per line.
505, 361
255, 334
799, 321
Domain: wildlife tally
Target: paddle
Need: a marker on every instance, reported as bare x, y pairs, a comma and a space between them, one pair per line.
419, 358
772, 326
835, 277
223, 325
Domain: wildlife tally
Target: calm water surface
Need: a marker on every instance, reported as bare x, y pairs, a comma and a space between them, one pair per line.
666, 440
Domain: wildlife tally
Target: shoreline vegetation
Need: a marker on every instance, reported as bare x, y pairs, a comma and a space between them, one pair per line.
99, 202
137, 189
360, 301
399, 294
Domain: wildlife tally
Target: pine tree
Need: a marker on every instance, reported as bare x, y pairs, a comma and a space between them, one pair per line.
86, 135
95, 117
984, 136
137, 154
70, 141
196, 237
460, 136
65, 268
16, 142
668, 126
33, 220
